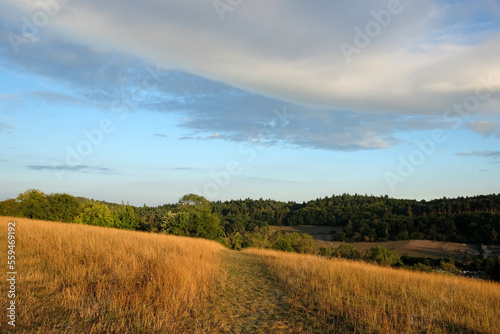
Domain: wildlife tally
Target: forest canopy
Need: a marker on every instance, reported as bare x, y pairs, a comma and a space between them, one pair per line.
361, 218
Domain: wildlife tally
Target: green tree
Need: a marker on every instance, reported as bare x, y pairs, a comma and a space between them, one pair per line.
348, 251
382, 256
96, 213
195, 204
422, 267
259, 238
448, 266
325, 251
35, 204
64, 207
174, 224
125, 217
11, 208
193, 217
280, 241
236, 241
302, 243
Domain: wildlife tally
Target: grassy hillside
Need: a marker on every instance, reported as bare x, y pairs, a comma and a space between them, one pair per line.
345, 296
85, 279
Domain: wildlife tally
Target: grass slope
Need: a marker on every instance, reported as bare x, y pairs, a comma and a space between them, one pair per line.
85, 279
344, 296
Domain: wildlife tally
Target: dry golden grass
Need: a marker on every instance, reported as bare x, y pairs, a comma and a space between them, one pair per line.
345, 296
85, 279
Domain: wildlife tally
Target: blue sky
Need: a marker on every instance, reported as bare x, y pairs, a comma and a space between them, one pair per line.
145, 101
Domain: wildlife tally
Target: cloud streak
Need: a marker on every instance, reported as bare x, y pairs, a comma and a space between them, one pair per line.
5, 128
482, 154
77, 168
160, 135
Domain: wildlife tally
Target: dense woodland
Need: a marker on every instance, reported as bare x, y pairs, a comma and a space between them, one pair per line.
245, 223
371, 218
362, 218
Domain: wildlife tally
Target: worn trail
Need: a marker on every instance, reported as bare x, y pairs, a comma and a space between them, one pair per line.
251, 302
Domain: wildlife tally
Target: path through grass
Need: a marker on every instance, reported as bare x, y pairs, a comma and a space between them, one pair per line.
251, 301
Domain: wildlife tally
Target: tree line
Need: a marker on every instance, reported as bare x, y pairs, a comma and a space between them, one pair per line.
35, 204
245, 223
361, 218
371, 218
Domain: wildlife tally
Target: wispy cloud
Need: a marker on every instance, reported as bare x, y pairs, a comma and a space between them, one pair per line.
17, 102
207, 137
482, 154
183, 168
264, 179
53, 98
4, 127
78, 168
161, 135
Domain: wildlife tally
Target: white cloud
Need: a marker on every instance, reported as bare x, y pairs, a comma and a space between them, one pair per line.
227, 77
485, 128
419, 63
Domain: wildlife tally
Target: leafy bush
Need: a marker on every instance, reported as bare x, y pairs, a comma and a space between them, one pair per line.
282, 242
382, 256
421, 267
193, 217
34, 204
347, 251
11, 208
325, 251
97, 214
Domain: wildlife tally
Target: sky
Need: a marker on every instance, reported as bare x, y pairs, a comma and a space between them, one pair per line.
146, 101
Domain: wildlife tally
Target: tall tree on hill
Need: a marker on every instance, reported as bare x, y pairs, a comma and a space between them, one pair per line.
193, 217
64, 207
35, 204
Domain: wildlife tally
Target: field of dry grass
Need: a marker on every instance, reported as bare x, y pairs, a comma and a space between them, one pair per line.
418, 248
345, 296
85, 279
318, 232
413, 248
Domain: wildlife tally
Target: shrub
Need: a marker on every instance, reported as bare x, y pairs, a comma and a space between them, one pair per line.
382, 256
422, 267
347, 251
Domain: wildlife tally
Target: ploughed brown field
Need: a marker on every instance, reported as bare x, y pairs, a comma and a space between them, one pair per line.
85, 279
413, 248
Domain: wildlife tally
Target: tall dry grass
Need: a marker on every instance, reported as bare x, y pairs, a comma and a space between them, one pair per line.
85, 279
346, 296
